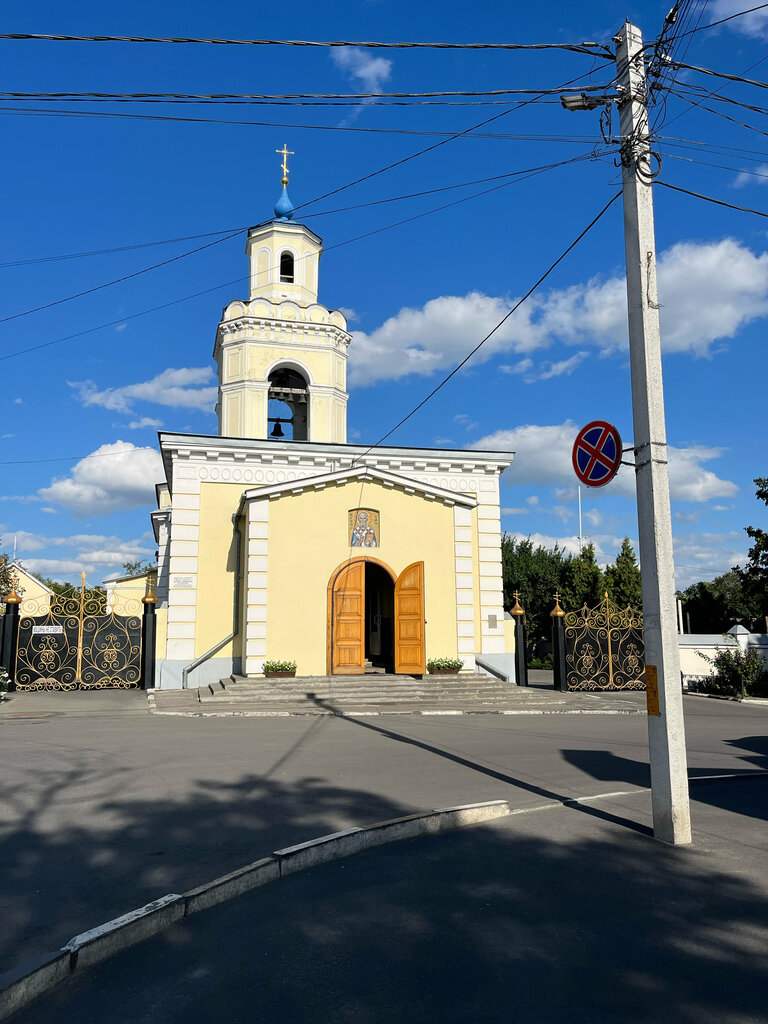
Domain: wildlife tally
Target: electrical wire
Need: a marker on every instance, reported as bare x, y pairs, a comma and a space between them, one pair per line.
238, 280
726, 117
589, 48
117, 280
447, 135
490, 334
711, 199
704, 94
317, 213
722, 21
169, 97
722, 167
79, 458
722, 74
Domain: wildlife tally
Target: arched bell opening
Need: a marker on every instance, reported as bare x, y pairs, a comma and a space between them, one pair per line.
288, 405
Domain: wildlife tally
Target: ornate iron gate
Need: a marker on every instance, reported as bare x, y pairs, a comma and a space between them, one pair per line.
604, 648
80, 642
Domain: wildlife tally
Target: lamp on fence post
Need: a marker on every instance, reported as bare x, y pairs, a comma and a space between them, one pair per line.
148, 633
521, 654
558, 644
11, 634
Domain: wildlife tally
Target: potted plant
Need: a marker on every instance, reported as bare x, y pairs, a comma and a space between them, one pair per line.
444, 666
3, 683
279, 669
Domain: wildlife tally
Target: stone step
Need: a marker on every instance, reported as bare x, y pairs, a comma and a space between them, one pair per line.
285, 695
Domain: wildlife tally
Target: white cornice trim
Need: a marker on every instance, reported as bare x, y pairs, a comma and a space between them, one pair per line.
362, 474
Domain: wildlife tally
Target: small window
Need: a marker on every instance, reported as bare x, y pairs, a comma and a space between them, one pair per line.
286, 268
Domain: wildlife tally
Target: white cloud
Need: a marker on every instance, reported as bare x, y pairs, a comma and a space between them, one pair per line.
49, 511
186, 388
115, 476
543, 456
709, 292
756, 176
347, 313
593, 517
145, 421
120, 328
702, 556
523, 366
362, 67
753, 24
515, 511
465, 420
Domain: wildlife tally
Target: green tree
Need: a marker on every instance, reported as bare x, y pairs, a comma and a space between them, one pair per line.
57, 586
622, 579
716, 605
583, 582
754, 575
7, 575
138, 567
536, 573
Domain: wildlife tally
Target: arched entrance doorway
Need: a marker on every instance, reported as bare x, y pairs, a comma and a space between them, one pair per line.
375, 618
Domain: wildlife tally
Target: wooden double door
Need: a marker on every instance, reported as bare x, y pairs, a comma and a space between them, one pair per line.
352, 619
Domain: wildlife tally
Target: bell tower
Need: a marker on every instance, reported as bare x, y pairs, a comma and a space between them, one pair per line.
281, 355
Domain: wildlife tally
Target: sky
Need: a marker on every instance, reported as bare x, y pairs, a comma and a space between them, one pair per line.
88, 381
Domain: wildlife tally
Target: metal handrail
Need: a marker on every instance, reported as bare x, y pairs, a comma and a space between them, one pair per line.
236, 609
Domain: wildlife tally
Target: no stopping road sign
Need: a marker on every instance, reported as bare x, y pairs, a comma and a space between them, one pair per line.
597, 453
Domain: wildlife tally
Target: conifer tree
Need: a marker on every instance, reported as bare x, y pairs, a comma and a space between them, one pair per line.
583, 583
622, 579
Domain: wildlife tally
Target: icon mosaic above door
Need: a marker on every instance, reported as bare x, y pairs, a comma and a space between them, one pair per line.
364, 528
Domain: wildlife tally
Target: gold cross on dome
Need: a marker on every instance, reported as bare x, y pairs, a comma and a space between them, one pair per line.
285, 154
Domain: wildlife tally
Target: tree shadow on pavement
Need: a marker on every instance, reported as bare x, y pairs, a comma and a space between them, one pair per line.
544, 918
57, 882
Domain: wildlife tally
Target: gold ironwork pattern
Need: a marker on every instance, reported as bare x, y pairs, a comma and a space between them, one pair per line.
81, 642
604, 648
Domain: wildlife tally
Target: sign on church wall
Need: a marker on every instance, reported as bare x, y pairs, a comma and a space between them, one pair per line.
364, 528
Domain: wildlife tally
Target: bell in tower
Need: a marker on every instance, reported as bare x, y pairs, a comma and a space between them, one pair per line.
281, 355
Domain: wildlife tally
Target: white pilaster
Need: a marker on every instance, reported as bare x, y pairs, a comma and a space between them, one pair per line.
490, 580
465, 605
256, 586
181, 558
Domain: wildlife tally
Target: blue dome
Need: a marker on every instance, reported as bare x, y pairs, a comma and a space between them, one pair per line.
284, 206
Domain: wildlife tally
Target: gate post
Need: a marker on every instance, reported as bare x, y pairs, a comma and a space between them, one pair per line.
558, 644
521, 653
148, 634
11, 636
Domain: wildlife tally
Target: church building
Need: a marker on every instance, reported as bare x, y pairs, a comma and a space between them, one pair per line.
278, 540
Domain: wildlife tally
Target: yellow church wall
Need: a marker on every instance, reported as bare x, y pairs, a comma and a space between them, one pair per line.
35, 598
308, 539
216, 569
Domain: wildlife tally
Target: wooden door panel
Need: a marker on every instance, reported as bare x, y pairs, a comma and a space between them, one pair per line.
348, 614
409, 621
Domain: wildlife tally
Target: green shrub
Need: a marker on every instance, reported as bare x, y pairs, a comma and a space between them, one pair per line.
279, 666
545, 662
444, 664
3, 681
737, 674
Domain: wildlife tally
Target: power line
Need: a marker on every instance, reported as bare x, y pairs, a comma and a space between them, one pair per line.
522, 172
117, 280
449, 136
704, 94
721, 74
490, 334
238, 280
722, 21
80, 458
590, 48
249, 97
711, 199
722, 167
726, 117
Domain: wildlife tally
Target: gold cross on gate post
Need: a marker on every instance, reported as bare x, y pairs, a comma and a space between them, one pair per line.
285, 152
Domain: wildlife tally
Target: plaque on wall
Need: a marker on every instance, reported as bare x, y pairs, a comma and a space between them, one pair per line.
364, 528
183, 582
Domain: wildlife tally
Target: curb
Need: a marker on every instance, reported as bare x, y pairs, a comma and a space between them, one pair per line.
382, 714
23, 984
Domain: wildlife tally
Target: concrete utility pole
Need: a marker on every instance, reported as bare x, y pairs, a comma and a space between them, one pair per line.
666, 730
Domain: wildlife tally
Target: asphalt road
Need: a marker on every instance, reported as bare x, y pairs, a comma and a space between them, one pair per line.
104, 807
557, 916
